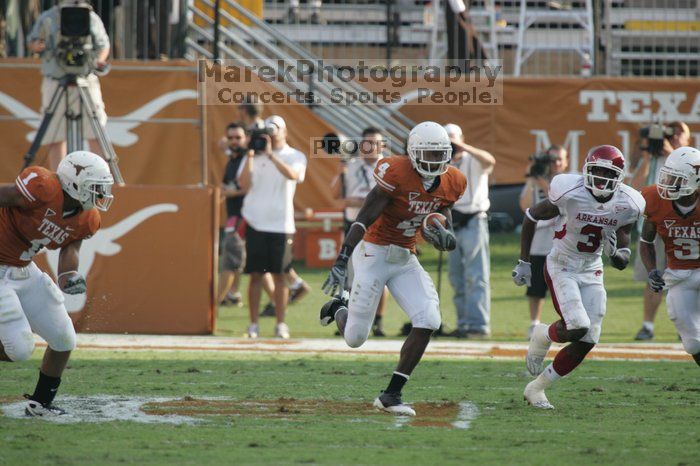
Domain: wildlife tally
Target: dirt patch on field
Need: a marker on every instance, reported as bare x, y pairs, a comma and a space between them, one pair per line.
444, 415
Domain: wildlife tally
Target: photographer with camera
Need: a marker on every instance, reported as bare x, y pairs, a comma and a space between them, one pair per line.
270, 175
656, 142
543, 167
232, 246
71, 40
470, 260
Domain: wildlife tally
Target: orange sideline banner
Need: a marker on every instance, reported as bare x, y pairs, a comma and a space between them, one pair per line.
154, 122
150, 268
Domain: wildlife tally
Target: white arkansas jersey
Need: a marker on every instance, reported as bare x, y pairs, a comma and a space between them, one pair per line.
584, 221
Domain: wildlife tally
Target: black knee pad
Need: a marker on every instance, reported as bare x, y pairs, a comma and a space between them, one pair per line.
577, 333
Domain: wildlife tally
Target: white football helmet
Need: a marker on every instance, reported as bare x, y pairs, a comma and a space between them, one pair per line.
86, 178
429, 149
680, 175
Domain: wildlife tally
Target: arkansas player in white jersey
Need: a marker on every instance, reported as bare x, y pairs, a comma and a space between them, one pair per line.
596, 214
673, 212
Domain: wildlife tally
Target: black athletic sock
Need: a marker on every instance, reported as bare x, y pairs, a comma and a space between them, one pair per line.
377, 321
46, 389
398, 380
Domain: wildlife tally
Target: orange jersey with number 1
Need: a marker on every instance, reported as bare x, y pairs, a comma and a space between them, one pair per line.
680, 233
410, 202
24, 231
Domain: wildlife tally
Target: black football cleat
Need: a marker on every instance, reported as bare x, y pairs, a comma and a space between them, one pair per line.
391, 403
35, 409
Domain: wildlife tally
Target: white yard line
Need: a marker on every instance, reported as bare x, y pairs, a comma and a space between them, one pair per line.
318, 346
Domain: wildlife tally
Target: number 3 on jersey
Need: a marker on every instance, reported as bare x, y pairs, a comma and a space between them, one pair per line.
592, 235
689, 249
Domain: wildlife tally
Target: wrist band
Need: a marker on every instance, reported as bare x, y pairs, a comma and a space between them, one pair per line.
623, 249
361, 225
65, 273
528, 215
645, 241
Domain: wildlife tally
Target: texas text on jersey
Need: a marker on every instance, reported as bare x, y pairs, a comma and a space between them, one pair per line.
411, 202
585, 221
680, 232
40, 223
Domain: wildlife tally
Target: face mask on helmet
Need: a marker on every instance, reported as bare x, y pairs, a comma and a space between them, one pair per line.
673, 184
602, 180
430, 163
98, 194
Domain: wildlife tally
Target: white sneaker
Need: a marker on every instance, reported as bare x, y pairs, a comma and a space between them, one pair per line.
534, 394
537, 351
282, 331
391, 403
253, 331
36, 409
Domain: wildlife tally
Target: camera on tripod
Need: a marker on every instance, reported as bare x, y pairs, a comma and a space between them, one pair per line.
655, 134
74, 49
541, 164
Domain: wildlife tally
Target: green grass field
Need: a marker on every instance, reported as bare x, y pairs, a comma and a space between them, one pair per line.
238, 408
509, 308
607, 413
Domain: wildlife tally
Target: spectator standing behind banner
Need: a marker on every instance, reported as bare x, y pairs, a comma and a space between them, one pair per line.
470, 262
646, 174
358, 181
232, 247
270, 176
543, 168
43, 39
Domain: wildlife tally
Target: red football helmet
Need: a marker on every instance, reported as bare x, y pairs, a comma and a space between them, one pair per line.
604, 170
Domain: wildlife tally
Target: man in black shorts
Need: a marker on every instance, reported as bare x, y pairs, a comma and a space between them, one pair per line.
270, 176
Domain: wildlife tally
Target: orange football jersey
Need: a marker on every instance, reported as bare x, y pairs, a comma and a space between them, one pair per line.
680, 233
24, 231
410, 203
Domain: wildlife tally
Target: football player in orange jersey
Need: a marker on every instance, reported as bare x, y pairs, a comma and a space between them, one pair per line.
673, 213
382, 244
49, 210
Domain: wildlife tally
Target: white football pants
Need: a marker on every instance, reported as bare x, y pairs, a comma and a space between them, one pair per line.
683, 305
409, 284
31, 301
578, 293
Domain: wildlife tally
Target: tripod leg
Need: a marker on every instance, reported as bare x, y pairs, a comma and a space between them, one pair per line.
74, 125
43, 127
107, 149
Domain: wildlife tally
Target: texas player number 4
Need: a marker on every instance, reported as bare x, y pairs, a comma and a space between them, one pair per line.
410, 226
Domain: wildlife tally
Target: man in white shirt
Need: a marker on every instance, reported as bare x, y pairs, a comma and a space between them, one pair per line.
358, 181
470, 262
271, 177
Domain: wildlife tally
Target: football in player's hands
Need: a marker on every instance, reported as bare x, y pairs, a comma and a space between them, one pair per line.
436, 231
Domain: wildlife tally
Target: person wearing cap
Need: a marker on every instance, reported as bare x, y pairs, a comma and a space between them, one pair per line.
270, 177
470, 262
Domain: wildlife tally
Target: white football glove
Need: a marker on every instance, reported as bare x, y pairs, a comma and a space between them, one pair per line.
74, 284
610, 244
335, 283
522, 274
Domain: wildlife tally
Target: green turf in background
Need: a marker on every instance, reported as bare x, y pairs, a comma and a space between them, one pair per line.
509, 308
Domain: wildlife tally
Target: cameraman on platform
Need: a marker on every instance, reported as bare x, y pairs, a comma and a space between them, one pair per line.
45, 39
656, 142
543, 167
